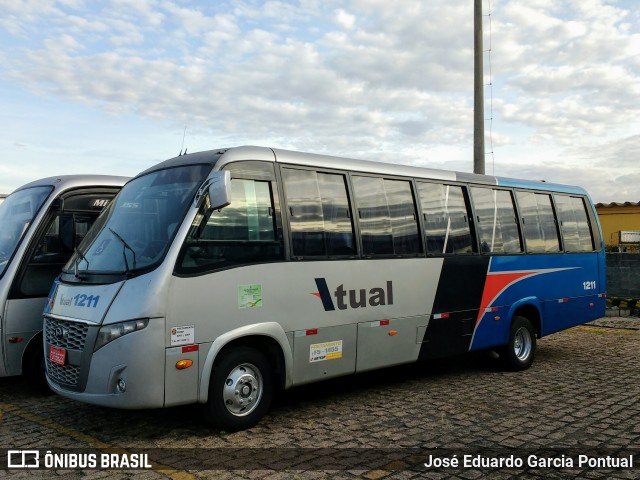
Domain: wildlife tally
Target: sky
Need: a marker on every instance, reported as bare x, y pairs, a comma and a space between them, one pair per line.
115, 86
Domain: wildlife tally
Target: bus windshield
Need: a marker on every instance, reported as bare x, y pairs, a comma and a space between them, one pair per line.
135, 230
16, 214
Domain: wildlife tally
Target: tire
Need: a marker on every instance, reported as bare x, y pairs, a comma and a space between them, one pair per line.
240, 389
519, 353
35, 372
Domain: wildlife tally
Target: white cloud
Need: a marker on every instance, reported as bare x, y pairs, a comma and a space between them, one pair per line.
345, 19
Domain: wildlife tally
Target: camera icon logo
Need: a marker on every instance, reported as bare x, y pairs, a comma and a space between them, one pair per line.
23, 459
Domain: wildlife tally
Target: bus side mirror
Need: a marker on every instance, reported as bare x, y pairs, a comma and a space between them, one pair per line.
220, 189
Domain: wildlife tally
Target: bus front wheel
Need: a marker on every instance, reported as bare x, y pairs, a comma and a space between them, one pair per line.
520, 351
34, 370
240, 390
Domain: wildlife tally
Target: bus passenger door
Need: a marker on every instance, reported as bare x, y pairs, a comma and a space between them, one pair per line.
28, 295
48, 252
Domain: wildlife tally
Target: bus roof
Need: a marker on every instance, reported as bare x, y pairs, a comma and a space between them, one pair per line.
207, 157
222, 157
65, 182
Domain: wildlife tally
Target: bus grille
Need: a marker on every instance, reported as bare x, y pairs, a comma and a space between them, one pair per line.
63, 374
68, 335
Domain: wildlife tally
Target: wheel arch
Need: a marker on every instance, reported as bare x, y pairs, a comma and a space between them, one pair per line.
33, 345
529, 308
268, 338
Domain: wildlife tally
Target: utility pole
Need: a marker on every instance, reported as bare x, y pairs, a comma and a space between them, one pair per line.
478, 90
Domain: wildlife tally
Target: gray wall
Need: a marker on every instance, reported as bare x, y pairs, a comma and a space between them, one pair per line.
623, 274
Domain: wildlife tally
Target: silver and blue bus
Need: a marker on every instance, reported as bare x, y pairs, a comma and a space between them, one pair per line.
41, 223
218, 277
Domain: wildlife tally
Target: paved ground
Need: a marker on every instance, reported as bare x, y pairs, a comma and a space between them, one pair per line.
579, 398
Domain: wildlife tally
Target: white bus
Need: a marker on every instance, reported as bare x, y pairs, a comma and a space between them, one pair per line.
217, 277
41, 223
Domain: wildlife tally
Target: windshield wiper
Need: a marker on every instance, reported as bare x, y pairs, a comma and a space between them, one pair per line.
124, 254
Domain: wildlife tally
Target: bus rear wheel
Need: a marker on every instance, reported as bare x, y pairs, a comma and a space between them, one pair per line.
240, 390
520, 351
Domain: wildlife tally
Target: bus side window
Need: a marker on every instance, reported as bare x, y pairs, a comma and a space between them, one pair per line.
49, 245
53, 249
63, 234
387, 216
496, 220
538, 222
446, 221
319, 219
242, 233
574, 224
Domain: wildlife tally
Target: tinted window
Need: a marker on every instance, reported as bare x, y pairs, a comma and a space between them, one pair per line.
538, 222
386, 213
64, 233
574, 224
243, 232
54, 246
446, 224
496, 216
16, 213
319, 213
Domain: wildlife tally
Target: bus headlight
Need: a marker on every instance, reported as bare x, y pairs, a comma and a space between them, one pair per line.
108, 333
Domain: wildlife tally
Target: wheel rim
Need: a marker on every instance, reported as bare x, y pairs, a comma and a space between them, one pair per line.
522, 344
242, 390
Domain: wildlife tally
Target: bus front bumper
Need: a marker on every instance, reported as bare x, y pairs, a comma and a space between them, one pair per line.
127, 373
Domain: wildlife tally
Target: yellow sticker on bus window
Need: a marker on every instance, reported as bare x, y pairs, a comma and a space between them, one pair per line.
320, 352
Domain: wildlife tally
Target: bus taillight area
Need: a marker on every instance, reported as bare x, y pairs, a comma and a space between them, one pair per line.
124, 372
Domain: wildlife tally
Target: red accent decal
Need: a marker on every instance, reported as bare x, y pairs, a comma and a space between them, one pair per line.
384, 322
316, 294
495, 284
313, 331
190, 348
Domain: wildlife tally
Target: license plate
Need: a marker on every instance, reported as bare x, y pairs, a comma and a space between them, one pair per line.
57, 355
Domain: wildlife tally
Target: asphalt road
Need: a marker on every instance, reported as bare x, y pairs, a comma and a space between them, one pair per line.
574, 414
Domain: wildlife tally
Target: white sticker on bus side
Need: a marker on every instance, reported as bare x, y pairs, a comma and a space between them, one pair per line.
184, 335
319, 352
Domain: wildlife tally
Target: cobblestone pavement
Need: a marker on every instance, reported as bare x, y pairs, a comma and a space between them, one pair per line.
579, 397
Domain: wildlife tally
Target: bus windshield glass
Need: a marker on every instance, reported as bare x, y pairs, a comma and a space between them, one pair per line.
16, 214
135, 230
